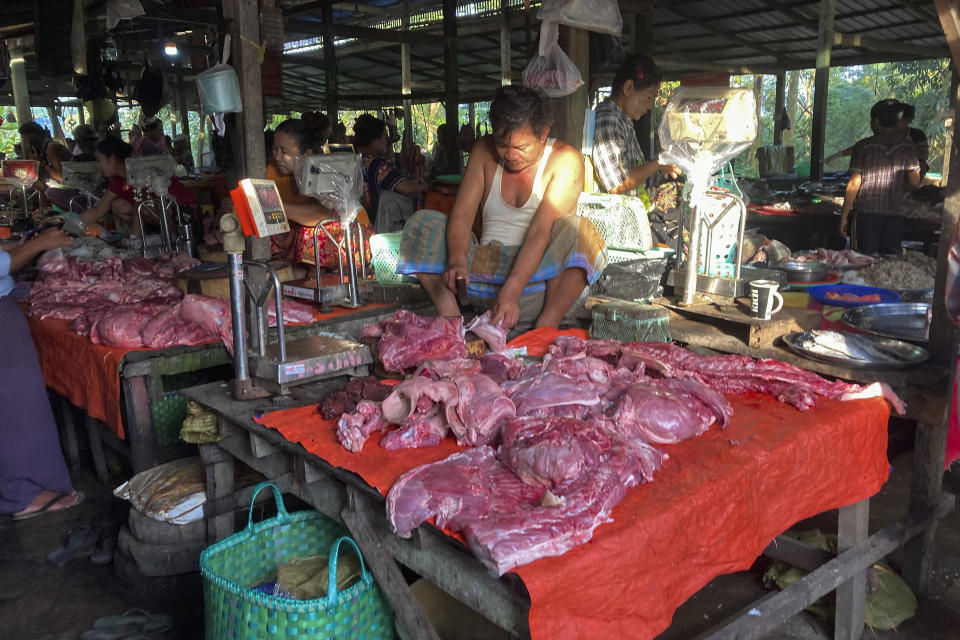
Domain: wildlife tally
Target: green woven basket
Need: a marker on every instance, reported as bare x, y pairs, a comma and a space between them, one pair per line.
233, 566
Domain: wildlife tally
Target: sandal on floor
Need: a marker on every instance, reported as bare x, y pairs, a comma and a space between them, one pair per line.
105, 546
48, 507
148, 622
118, 632
79, 542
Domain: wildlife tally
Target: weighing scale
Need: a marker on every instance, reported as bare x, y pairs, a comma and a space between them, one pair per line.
149, 176
267, 369
22, 173
703, 128
335, 180
84, 177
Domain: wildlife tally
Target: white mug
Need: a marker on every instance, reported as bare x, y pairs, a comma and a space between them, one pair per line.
762, 295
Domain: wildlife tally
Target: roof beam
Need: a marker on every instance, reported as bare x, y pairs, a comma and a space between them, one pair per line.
720, 32
876, 44
362, 33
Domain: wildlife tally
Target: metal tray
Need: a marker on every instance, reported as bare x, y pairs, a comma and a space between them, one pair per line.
900, 320
911, 353
804, 271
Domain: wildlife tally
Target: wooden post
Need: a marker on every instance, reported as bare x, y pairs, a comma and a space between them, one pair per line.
643, 43
330, 64
405, 87
779, 108
182, 100
505, 71
568, 111
949, 14
21, 96
851, 595
821, 83
451, 87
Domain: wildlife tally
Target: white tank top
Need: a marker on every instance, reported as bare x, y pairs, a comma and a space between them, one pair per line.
504, 223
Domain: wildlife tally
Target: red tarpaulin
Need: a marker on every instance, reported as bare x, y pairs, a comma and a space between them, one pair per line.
712, 508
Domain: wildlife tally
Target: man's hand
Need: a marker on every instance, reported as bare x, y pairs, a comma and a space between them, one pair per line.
845, 224
52, 239
505, 311
670, 171
454, 272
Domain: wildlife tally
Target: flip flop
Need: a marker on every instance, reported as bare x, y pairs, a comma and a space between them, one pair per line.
79, 542
48, 507
146, 621
119, 632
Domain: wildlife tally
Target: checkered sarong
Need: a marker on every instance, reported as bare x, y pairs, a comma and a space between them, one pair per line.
574, 242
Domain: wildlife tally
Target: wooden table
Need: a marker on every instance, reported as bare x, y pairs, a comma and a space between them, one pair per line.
345, 497
925, 388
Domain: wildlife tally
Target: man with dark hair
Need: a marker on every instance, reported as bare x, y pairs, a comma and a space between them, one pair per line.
36, 138
534, 256
916, 136
882, 168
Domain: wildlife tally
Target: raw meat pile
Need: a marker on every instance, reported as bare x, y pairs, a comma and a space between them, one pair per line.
834, 258
128, 303
574, 432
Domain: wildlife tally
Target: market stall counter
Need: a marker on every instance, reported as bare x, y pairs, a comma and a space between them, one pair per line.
126, 394
717, 503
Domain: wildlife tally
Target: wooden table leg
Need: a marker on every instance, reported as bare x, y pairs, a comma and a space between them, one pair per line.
96, 449
218, 465
405, 606
851, 595
139, 426
65, 409
926, 482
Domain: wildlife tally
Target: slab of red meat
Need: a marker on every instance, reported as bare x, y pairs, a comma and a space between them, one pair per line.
353, 429
417, 394
407, 339
437, 369
294, 311
710, 405
423, 429
212, 314
536, 390
552, 452
500, 367
345, 399
656, 415
121, 327
493, 334
480, 410
578, 366
462, 487
168, 329
506, 539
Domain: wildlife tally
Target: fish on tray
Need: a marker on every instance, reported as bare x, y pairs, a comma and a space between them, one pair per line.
848, 345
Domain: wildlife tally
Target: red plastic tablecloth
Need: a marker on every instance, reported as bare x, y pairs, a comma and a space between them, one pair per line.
89, 374
712, 508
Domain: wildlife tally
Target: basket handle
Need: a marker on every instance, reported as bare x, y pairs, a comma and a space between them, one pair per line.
332, 568
281, 509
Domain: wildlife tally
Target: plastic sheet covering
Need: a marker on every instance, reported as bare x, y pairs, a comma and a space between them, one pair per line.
335, 180
602, 16
704, 127
173, 492
713, 507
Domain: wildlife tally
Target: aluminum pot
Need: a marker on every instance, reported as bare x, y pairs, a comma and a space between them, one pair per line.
797, 271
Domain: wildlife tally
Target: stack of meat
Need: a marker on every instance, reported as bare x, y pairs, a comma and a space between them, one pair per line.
574, 432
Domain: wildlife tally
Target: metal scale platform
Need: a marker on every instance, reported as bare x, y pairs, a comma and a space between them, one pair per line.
262, 368
336, 181
703, 128
150, 175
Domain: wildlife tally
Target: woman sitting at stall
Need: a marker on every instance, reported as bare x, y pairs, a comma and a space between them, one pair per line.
618, 161
120, 199
291, 140
370, 139
33, 474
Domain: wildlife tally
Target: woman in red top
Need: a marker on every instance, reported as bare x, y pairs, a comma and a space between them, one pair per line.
291, 140
119, 198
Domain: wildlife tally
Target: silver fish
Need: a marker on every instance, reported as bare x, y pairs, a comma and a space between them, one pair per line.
847, 345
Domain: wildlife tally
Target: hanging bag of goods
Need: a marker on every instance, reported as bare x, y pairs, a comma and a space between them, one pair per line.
552, 72
243, 574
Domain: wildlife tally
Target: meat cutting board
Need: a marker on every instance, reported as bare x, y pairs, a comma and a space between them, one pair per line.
476, 347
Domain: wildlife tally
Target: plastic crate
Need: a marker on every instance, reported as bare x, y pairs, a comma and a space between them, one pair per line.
386, 254
168, 414
621, 220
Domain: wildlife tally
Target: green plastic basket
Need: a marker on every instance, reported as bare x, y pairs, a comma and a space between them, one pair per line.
233, 566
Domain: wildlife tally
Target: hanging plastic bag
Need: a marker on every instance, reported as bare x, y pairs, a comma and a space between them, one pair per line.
219, 90
552, 72
602, 16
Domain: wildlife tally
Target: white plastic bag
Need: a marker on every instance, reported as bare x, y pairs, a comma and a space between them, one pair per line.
552, 72
602, 16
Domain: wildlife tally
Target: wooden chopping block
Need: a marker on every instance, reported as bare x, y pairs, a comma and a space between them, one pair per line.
215, 282
476, 347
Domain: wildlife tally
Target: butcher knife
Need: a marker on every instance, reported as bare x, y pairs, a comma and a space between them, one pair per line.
463, 300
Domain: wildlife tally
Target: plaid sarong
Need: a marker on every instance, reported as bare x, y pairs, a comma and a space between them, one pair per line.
574, 242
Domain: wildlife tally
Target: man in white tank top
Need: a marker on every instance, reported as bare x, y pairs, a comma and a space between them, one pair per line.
522, 182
